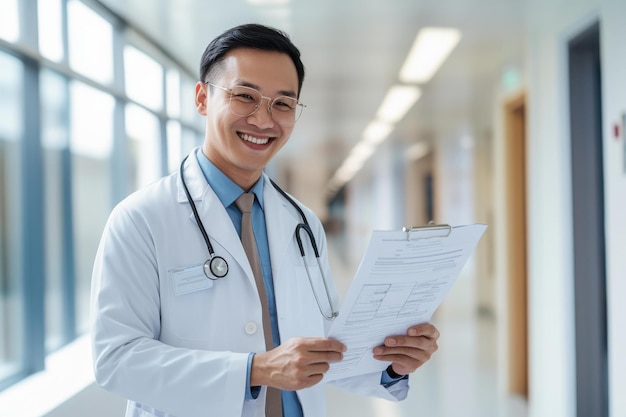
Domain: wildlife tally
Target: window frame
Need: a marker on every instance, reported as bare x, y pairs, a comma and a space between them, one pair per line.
33, 266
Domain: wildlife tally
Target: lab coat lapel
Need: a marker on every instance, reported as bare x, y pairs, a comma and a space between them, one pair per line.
216, 220
281, 222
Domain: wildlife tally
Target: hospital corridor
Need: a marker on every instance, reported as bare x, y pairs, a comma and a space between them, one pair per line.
127, 127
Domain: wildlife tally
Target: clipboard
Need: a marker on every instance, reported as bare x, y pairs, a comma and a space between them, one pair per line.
413, 232
403, 277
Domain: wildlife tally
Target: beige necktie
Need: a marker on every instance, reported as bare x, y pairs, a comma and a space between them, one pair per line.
273, 403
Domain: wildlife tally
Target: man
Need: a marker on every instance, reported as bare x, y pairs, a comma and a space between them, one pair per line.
242, 332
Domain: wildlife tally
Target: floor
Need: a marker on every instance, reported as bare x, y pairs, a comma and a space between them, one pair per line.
459, 380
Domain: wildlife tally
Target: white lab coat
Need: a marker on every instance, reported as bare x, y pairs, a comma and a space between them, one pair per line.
186, 355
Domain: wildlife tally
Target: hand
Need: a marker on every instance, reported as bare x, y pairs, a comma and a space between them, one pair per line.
407, 353
298, 363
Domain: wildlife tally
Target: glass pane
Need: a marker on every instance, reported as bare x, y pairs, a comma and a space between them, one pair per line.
91, 140
188, 101
91, 121
180, 141
55, 133
50, 30
143, 77
90, 42
144, 134
173, 93
174, 146
190, 140
11, 303
9, 20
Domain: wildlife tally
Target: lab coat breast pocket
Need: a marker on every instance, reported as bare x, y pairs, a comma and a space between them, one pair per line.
186, 311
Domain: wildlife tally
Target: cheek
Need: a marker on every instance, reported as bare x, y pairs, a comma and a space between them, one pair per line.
285, 135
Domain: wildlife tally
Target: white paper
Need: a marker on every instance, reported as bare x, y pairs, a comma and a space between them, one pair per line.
402, 279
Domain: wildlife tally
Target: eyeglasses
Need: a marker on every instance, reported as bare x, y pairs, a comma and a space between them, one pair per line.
245, 101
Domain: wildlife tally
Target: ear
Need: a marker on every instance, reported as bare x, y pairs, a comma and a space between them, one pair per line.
201, 97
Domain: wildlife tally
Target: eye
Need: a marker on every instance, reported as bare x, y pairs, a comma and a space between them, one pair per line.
242, 96
285, 103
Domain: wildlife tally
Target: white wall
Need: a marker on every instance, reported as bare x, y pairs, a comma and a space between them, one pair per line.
552, 374
613, 35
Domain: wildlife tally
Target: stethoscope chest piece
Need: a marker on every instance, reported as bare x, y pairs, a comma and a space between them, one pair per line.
215, 268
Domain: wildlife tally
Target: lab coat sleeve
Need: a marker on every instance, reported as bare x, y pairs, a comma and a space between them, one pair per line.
369, 385
129, 359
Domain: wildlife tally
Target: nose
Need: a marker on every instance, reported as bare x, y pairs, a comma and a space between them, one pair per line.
260, 117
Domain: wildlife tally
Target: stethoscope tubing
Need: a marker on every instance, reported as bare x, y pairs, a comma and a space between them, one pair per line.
218, 266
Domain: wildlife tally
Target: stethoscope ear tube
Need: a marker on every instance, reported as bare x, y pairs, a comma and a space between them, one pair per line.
308, 231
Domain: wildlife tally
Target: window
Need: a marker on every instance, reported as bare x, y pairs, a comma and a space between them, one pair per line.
50, 29
144, 78
188, 98
9, 20
174, 146
90, 42
173, 93
144, 134
54, 138
91, 143
11, 236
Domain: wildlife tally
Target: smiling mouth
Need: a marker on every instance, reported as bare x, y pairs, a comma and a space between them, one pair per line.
252, 139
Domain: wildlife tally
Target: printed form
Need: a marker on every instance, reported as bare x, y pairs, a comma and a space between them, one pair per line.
402, 279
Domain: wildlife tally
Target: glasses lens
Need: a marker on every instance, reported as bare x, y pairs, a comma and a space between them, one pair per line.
244, 101
286, 110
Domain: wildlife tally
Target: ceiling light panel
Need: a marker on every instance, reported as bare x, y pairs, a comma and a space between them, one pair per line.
397, 103
430, 49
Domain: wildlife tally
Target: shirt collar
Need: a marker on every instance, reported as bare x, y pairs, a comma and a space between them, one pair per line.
225, 189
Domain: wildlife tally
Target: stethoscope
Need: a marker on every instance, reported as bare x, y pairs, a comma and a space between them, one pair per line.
216, 266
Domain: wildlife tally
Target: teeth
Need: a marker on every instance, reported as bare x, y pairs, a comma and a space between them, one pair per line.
258, 141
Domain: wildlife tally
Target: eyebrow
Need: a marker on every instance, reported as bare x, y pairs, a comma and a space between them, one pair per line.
287, 93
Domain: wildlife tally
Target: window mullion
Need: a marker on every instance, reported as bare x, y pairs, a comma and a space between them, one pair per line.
33, 224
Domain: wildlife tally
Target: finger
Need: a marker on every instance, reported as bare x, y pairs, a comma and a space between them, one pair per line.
424, 329
403, 364
318, 344
402, 351
304, 352
318, 369
408, 362
417, 342
325, 357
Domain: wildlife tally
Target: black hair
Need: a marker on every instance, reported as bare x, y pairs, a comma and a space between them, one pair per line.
249, 36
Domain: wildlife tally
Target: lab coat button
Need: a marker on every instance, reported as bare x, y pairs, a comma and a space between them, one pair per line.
251, 327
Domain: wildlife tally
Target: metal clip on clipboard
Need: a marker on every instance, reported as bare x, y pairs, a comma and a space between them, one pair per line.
445, 229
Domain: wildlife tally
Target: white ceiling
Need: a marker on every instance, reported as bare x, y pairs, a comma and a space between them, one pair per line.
353, 51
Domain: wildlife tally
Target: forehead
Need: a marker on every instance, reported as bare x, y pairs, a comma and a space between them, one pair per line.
270, 71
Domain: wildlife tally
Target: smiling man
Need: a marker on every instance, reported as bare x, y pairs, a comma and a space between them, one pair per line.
201, 301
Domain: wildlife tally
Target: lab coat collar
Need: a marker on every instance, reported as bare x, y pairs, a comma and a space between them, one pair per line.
196, 183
